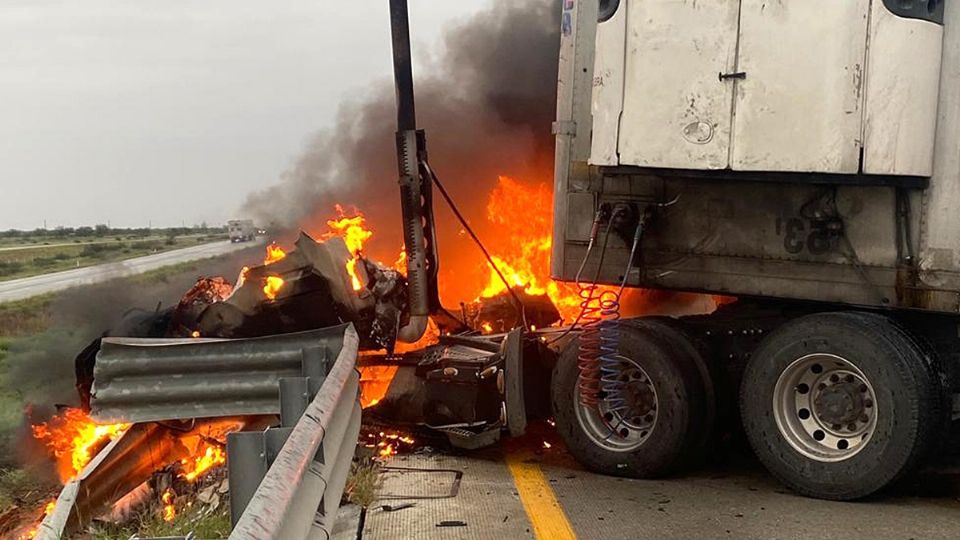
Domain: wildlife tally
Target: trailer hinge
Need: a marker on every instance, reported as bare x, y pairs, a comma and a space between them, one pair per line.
565, 128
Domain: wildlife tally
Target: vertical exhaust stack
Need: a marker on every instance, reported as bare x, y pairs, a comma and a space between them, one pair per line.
416, 193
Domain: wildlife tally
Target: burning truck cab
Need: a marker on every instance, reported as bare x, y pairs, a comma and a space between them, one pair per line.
839, 358
457, 378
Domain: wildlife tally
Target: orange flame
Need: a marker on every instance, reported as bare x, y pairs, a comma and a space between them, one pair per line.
389, 444
271, 286
211, 457
353, 230
523, 218
74, 439
374, 383
169, 510
274, 254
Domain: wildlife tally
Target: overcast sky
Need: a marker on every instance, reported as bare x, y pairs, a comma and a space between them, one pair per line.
138, 112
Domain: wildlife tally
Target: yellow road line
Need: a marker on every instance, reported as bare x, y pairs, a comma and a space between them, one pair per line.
544, 511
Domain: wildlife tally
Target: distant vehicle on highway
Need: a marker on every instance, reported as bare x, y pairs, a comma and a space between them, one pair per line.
241, 230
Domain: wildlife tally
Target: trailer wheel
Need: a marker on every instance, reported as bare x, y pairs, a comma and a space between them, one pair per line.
840, 405
667, 413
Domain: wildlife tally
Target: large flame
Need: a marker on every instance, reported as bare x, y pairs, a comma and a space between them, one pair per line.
374, 383
74, 439
353, 229
518, 234
522, 216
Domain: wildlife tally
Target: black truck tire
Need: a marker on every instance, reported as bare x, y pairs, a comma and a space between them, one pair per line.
683, 409
840, 405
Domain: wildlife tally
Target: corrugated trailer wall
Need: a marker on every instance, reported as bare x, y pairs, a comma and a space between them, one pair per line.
787, 236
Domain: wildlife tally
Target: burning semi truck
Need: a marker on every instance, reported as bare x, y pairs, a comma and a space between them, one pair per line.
797, 157
797, 165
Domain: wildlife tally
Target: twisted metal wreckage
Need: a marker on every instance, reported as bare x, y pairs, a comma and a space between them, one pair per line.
277, 357
276, 367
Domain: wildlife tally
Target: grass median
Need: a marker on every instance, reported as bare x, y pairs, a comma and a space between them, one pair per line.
27, 259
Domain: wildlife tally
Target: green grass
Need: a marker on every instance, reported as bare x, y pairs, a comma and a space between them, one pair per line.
363, 483
11, 406
201, 521
11, 410
25, 317
58, 256
161, 275
23, 488
18, 320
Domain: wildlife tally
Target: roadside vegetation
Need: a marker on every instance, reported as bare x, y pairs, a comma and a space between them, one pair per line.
363, 482
204, 510
42, 251
24, 490
38, 340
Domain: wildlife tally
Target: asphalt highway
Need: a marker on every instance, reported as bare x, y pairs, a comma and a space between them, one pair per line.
520, 489
18, 289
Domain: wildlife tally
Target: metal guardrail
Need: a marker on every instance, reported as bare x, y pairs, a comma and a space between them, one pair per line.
300, 492
143, 380
117, 469
287, 481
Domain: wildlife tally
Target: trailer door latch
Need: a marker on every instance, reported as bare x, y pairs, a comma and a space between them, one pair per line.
738, 75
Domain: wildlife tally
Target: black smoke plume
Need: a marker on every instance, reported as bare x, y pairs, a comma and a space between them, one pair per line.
487, 105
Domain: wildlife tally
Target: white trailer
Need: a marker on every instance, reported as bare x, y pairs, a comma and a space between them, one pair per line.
803, 156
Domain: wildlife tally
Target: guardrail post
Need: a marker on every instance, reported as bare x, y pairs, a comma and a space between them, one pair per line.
246, 467
298, 496
295, 395
338, 472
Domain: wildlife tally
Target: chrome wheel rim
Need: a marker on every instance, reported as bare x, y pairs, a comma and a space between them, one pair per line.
626, 412
825, 407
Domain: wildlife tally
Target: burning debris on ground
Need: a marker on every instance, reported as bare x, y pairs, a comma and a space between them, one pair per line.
147, 469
